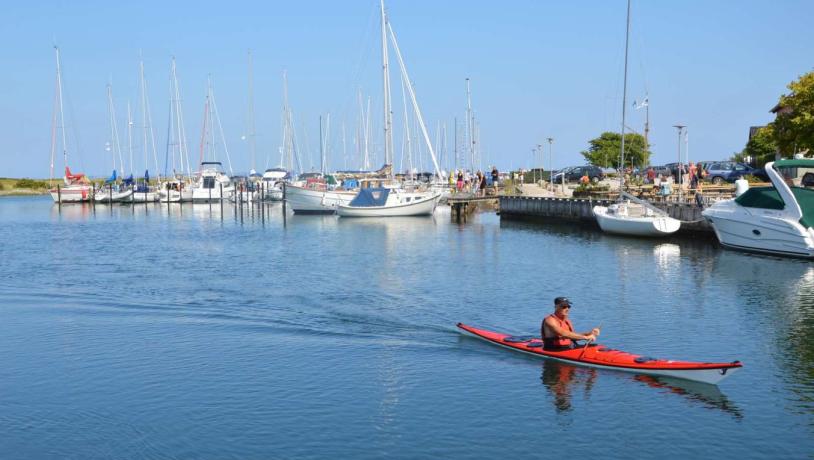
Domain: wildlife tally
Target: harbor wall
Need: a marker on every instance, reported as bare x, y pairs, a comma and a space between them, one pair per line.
581, 211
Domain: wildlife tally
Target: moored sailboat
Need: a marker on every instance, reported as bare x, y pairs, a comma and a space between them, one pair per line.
76, 187
631, 216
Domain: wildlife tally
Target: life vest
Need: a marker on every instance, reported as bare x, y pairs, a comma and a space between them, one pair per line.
557, 341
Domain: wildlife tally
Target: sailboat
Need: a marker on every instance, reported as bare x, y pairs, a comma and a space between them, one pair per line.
112, 191
177, 187
392, 201
631, 216
76, 187
212, 184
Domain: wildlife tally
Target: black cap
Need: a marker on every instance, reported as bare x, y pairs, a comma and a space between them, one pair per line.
561, 301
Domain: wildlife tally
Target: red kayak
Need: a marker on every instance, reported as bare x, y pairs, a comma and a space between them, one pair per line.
607, 358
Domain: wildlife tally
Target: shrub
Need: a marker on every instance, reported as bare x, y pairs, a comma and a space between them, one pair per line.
30, 183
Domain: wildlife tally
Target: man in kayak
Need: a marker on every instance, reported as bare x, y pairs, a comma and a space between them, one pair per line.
558, 332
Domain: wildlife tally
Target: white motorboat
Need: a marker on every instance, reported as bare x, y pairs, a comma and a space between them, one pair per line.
315, 198
213, 184
635, 218
273, 180
174, 191
389, 202
776, 220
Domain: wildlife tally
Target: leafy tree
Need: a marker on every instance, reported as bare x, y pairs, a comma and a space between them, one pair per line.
604, 150
761, 147
794, 125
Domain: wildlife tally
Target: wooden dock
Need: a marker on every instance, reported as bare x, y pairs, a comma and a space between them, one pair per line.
462, 205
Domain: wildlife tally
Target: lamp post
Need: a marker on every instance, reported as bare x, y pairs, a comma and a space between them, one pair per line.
551, 162
680, 166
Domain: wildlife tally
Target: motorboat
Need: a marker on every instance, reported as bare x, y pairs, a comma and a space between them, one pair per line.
212, 184
634, 217
389, 202
777, 220
273, 180
175, 190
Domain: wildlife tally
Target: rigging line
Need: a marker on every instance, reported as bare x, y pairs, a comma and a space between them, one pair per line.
220, 129
364, 54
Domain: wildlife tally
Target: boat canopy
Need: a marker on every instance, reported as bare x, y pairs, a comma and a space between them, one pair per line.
369, 197
112, 178
128, 180
769, 198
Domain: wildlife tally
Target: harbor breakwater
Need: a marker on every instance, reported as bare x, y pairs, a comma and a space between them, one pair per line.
581, 211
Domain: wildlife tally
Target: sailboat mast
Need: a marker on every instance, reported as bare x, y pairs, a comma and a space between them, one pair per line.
624, 105
143, 110
129, 137
388, 116
252, 142
470, 127
414, 100
61, 111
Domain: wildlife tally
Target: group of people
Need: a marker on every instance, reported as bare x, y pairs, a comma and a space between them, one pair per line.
694, 174
464, 181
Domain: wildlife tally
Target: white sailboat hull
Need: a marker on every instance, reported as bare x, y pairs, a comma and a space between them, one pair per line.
174, 196
72, 194
105, 196
149, 197
651, 226
420, 207
204, 195
307, 201
759, 230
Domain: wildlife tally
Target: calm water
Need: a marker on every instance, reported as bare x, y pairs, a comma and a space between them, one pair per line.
190, 333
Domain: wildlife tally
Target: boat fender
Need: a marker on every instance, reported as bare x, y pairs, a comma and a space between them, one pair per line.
644, 359
518, 339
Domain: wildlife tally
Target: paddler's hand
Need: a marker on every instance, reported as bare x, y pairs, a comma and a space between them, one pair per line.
590, 337
595, 331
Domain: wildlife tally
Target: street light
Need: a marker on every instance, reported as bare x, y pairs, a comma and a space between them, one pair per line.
680, 166
551, 162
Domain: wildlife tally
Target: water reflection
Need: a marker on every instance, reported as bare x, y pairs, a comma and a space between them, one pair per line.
709, 396
562, 380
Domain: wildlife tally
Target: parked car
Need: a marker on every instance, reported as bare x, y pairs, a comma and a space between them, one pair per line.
676, 169
575, 173
730, 171
662, 171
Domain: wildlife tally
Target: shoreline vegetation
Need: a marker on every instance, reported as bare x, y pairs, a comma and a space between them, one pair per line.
24, 186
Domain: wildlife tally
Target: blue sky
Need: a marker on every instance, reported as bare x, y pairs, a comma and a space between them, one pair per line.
538, 69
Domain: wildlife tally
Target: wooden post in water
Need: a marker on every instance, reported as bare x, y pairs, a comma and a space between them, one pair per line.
221, 200
59, 196
285, 202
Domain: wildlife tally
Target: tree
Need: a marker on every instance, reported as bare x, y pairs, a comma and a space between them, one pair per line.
605, 149
794, 126
760, 149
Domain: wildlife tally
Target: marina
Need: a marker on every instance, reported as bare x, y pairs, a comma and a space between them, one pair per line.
408, 230
195, 326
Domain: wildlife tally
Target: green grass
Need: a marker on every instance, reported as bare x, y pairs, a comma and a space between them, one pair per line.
24, 186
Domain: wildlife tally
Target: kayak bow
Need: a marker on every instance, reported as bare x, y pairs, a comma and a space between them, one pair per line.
604, 357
